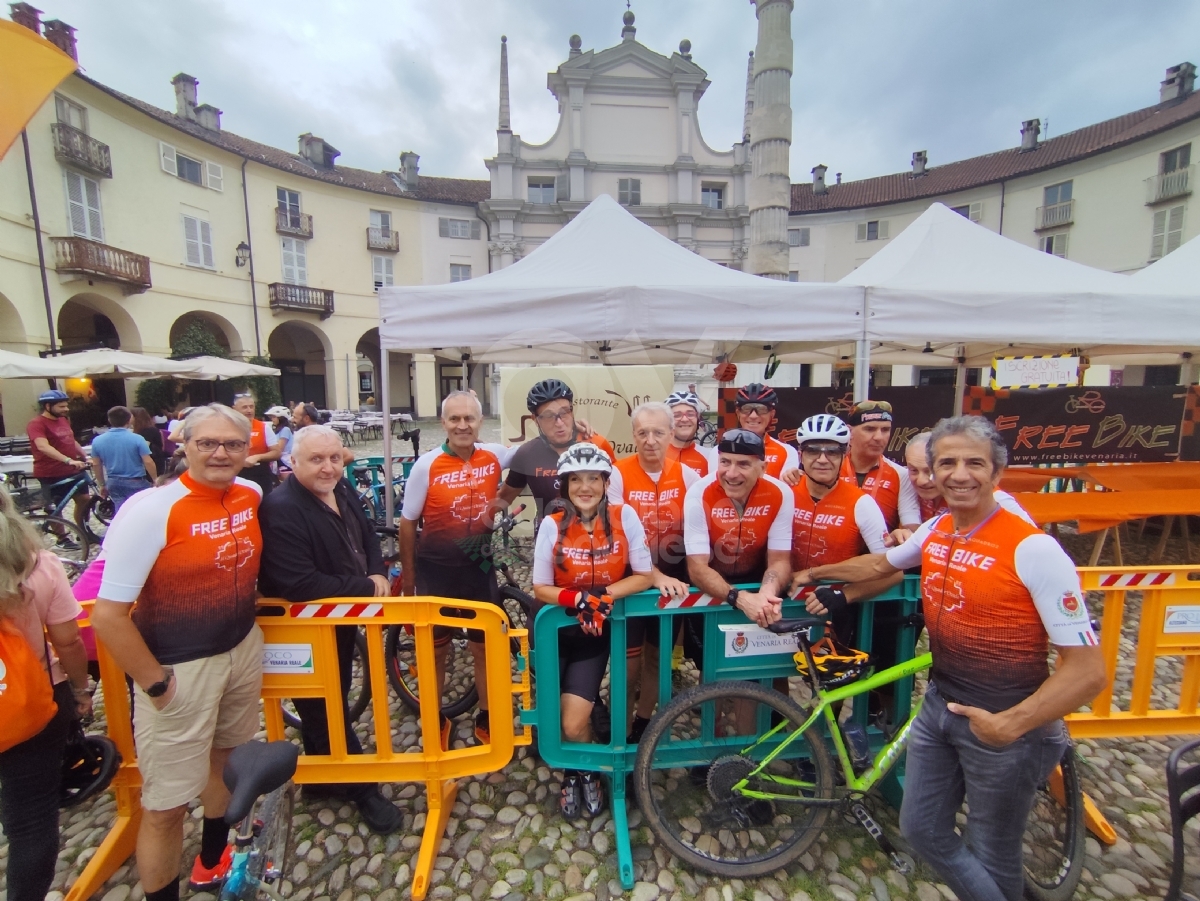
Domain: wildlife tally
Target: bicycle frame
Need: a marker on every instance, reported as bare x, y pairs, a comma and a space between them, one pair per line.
87, 484
237, 881
884, 760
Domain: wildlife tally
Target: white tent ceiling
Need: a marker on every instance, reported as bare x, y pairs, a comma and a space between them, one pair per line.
608, 287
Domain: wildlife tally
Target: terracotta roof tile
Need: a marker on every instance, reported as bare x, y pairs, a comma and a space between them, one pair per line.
429, 188
995, 167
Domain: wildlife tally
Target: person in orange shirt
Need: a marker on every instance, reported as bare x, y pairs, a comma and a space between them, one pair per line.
654, 487
265, 447
686, 408
996, 593
865, 466
756, 404
916, 457
587, 556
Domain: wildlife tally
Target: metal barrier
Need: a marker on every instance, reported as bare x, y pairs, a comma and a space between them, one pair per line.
300, 661
1169, 626
733, 649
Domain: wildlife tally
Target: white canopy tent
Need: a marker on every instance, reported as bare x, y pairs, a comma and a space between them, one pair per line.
1178, 271
609, 288
973, 294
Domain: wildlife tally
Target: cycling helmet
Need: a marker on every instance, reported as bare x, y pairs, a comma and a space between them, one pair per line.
89, 764
545, 391
742, 441
836, 663
583, 457
685, 397
52, 397
823, 427
756, 393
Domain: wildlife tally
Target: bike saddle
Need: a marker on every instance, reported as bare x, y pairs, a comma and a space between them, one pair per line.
795, 624
254, 769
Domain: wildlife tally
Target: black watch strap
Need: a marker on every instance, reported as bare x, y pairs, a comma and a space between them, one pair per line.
158, 689
732, 597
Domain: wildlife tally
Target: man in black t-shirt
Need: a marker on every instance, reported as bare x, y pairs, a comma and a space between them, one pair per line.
535, 463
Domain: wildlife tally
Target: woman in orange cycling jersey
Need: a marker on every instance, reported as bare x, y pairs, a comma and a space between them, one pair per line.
588, 555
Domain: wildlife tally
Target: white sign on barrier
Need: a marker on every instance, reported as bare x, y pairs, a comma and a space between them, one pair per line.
754, 641
288, 658
1180, 618
1034, 372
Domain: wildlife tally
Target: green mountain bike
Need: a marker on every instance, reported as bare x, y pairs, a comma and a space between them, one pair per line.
737, 779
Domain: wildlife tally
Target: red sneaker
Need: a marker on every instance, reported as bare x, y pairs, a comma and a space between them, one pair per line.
205, 880
446, 728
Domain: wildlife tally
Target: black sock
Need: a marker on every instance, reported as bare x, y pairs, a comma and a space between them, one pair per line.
169, 892
213, 841
481, 719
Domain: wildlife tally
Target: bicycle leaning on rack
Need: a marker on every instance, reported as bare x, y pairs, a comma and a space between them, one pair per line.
736, 779
258, 774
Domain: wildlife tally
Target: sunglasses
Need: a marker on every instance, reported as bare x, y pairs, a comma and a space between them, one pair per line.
870, 406
754, 409
817, 452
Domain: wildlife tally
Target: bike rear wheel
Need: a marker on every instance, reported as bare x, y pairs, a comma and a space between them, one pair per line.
400, 659
691, 758
65, 540
272, 842
1053, 847
359, 694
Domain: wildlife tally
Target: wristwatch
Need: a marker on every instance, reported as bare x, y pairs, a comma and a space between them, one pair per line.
158, 689
732, 596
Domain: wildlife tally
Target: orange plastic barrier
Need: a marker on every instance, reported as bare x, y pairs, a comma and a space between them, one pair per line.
300, 661
1096, 510
1113, 476
1169, 626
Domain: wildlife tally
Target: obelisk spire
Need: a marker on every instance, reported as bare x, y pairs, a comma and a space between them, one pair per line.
749, 97
505, 115
771, 140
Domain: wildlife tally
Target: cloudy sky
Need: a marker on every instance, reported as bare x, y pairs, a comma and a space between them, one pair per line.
874, 79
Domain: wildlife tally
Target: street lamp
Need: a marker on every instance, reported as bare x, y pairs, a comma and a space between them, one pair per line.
243, 254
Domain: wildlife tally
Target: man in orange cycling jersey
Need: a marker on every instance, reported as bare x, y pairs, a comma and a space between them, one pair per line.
738, 529
930, 498
756, 406
996, 593
265, 448
685, 409
865, 466
653, 486
451, 489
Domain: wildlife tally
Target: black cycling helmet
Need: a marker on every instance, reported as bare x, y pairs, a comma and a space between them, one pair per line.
757, 393
742, 441
52, 397
547, 390
89, 764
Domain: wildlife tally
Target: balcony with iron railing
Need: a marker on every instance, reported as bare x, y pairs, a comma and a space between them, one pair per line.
293, 224
379, 238
76, 148
1055, 214
301, 297
1169, 185
95, 260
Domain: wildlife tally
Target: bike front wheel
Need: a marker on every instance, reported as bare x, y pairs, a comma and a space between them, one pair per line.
65, 540
358, 697
1053, 846
715, 793
400, 659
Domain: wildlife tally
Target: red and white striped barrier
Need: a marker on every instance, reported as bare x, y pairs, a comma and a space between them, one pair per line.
692, 600
1131, 580
335, 611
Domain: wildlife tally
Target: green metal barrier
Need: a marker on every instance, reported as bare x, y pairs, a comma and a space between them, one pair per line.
374, 467
616, 759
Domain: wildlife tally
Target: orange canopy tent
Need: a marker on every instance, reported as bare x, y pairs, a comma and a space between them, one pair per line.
30, 68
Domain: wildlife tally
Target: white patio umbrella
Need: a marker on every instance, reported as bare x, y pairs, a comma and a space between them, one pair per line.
107, 362
212, 368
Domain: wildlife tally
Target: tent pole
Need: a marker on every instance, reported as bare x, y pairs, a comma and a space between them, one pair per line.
385, 401
862, 355
960, 380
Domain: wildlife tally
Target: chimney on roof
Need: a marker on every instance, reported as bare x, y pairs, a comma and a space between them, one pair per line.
839, 178
185, 96
920, 158
62, 36
25, 15
408, 169
818, 174
317, 151
1179, 83
1030, 129
208, 116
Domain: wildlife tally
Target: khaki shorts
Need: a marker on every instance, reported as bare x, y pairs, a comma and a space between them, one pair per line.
216, 705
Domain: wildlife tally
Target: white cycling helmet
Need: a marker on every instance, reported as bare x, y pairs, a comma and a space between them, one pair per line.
584, 457
685, 397
823, 427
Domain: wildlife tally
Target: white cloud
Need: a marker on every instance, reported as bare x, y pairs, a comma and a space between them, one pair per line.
874, 80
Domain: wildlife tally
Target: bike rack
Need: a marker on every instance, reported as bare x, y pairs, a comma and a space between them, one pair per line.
721, 660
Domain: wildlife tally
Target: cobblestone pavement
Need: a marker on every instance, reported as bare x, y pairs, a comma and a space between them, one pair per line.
506, 840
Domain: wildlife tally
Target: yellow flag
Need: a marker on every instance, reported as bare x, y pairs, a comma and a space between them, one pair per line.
30, 69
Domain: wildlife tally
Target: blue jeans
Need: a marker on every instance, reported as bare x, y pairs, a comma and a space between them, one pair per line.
121, 489
946, 763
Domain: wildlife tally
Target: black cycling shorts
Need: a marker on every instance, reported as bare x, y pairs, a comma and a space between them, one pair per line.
582, 660
469, 583
54, 490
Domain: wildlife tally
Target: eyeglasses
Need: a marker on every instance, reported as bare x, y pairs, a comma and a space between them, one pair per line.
754, 409
686, 414
869, 406
547, 418
210, 445
817, 452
